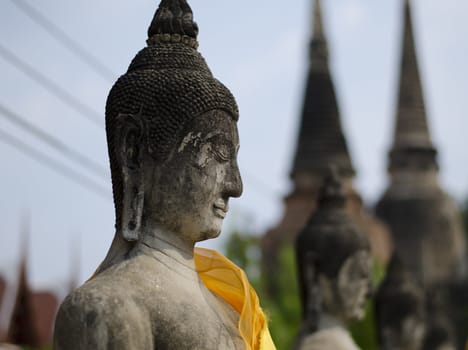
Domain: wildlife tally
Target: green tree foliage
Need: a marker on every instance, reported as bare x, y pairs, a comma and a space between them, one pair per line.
244, 251
284, 312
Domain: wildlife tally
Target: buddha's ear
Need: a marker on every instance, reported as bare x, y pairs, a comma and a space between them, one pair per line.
132, 144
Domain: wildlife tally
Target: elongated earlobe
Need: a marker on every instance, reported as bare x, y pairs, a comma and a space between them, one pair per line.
133, 210
131, 132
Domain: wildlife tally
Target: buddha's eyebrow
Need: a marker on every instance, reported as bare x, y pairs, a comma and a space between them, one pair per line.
211, 135
222, 135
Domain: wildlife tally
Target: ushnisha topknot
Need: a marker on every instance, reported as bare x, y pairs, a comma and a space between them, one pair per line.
173, 22
167, 85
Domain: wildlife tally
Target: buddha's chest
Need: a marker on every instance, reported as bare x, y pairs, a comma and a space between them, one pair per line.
181, 312
194, 329
194, 319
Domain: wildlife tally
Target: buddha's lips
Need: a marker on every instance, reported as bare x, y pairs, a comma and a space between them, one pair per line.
220, 209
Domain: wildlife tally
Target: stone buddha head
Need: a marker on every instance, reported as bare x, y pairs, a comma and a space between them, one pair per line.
172, 137
334, 260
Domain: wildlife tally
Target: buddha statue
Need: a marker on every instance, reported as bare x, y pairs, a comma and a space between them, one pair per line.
173, 141
400, 311
408, 317
334, 264
440, 334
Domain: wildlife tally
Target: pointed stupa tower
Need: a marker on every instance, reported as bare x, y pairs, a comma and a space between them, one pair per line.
412, 142
424, 221
33, 312
321, 140
321, 144
21, 328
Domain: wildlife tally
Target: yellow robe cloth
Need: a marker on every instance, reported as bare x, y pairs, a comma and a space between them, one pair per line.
222, 277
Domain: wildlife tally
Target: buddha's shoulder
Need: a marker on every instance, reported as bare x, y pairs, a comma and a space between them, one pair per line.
110, 295
120, 288
102, 316
98, 303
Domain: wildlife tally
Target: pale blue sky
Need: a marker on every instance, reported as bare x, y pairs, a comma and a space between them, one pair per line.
259, 50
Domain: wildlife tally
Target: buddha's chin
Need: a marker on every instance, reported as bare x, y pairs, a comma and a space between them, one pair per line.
358, 314
210, 233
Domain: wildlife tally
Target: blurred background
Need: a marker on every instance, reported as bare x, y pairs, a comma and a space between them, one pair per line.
58, 60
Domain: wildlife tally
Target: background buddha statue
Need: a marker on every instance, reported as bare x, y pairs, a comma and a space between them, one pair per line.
334, 263
440, 334
173, 141
400, 312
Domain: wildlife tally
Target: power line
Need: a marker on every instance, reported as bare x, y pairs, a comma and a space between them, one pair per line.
52, 87
67, 41
259, 186
57, 166
54, 142
94, 63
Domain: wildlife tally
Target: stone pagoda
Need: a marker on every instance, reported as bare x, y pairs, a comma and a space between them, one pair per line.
321, 144
425, 222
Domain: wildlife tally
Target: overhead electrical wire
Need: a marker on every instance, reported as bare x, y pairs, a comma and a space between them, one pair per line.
85, 56
55, 165
52, 87
260, 187
52, 141
82, 108
66, 40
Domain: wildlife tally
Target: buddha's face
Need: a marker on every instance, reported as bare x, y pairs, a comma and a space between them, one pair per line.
189, 193
345, 296
354, 284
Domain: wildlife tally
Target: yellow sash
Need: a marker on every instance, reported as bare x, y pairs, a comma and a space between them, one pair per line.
222, 277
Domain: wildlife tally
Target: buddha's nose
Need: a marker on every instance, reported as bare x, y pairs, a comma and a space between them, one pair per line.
233, 185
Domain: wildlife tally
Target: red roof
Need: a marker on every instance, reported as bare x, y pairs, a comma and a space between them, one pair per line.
45, 307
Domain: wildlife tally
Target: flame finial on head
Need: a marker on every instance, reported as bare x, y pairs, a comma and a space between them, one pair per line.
173, 22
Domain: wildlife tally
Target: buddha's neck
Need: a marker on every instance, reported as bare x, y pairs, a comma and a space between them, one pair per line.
169, 246
328, 320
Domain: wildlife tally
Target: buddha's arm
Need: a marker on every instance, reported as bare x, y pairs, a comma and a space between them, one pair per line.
85, 326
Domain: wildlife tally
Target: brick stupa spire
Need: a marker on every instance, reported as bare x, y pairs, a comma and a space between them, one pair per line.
424, 221
412, 138
321, 140
321, 144
21, 328
421, 216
